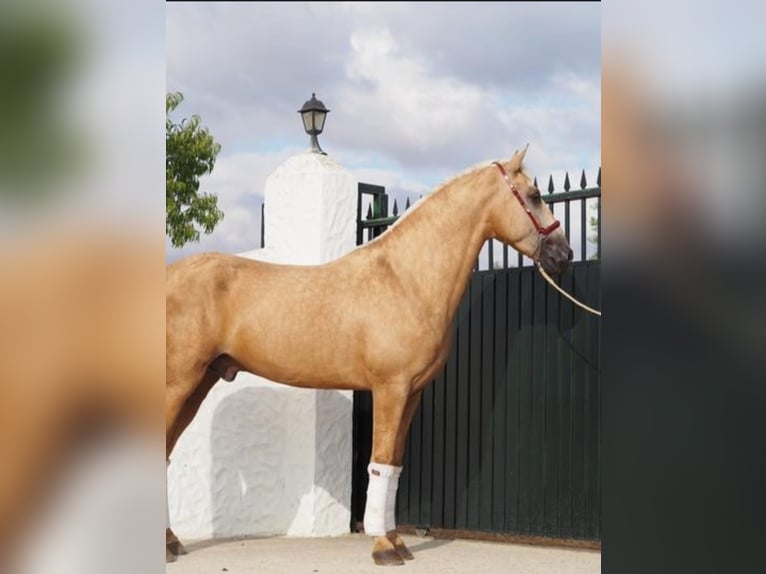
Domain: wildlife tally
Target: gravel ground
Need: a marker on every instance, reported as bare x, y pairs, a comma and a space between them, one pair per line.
351, 555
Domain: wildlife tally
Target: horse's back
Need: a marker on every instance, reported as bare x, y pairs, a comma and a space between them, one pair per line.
312, 325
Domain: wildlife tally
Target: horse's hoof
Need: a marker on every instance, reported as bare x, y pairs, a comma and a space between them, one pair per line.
169, 556
404, 552
399, 545
176, 548
387, 557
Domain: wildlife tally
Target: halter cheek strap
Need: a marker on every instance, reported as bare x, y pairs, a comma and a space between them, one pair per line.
543, 231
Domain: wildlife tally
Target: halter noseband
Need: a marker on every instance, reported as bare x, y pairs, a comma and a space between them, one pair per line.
543, 231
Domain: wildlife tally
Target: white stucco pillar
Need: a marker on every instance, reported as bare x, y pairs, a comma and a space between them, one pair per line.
310, 210
309, 217
262, 458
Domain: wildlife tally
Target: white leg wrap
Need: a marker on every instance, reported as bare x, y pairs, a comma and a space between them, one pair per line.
379, 513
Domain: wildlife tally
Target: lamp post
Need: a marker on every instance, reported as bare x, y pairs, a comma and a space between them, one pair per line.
313, 114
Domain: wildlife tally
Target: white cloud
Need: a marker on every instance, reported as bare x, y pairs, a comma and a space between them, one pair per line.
395, 94
588, 90
418, 92
566, 137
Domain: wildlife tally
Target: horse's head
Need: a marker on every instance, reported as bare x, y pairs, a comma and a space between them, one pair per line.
520, 218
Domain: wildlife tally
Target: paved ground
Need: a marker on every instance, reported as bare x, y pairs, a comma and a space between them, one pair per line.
351, 555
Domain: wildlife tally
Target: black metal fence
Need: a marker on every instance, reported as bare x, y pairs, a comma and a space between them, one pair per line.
507, 438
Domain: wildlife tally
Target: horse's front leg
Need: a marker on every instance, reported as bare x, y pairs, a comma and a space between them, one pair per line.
393, 409
401, 440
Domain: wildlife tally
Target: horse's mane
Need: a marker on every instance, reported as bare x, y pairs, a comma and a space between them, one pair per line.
426, 196
445, 184
470, 170
464, 173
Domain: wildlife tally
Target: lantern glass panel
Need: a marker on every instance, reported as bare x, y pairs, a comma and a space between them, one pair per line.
308, 123
319, 118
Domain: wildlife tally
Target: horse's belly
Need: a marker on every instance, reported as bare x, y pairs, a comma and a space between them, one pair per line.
323, 363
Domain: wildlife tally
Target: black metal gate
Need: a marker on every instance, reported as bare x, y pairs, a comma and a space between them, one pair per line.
507, 438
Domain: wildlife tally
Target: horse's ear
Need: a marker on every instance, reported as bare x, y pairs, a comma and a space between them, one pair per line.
523, 154
517, 159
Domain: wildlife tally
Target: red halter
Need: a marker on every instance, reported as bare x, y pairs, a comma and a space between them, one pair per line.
544, 231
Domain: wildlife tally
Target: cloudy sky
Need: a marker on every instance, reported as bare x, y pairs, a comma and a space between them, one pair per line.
417, 92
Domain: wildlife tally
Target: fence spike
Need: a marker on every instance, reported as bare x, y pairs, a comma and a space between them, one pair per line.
583, 181
550, 184
407, 205
598, 179
535, 184
369, 211
567, 185
396, 208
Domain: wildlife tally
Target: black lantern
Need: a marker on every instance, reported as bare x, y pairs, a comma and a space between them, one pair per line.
313, 114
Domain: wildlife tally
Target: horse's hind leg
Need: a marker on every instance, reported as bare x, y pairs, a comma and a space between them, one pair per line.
393, 409
177, 420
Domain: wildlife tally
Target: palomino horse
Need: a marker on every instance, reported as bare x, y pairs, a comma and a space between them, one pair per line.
227, 313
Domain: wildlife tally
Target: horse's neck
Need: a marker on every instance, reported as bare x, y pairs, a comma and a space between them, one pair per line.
434, 249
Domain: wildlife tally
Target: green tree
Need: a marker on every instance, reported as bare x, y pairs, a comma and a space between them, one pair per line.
190, 152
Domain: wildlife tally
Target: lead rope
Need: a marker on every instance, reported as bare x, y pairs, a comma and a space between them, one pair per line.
564, 293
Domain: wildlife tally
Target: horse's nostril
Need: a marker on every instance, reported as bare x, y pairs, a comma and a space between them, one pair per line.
570, 255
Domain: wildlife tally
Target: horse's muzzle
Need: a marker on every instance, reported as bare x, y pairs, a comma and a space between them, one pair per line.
555, 255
